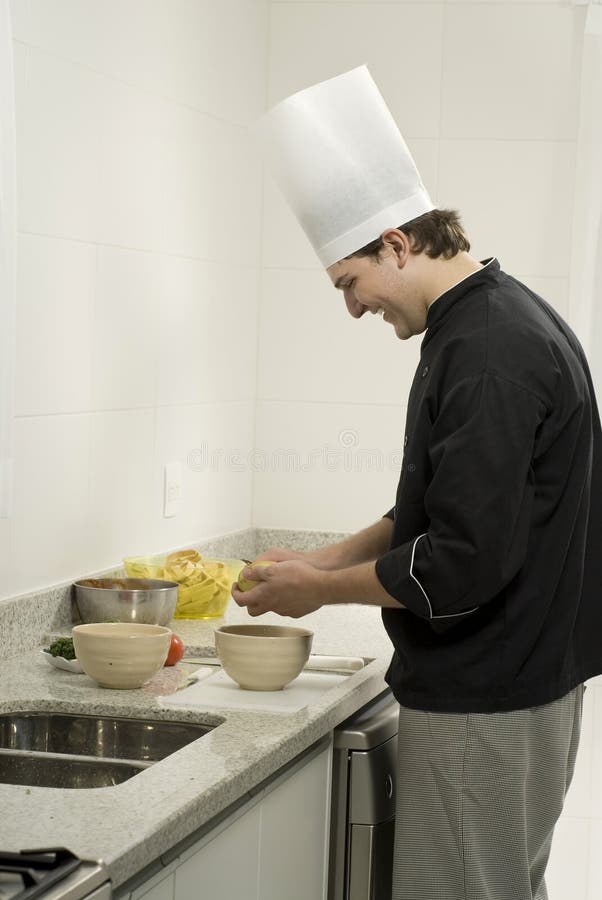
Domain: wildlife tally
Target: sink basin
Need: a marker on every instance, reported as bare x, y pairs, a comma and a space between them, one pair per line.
99, 736
65, 750
44, 770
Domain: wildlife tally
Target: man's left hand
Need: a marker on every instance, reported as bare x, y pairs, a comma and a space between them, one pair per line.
289, 588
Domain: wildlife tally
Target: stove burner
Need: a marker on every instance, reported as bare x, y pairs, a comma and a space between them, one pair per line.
28, 874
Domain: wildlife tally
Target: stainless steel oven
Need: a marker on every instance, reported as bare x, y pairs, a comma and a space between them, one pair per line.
363, 803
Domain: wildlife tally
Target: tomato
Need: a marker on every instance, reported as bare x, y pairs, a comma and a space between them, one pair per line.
176, 651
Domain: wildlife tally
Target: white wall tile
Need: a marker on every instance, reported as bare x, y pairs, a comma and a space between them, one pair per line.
50, 533
229, 37
312, 42
208, 331
19, 19
173, 48
594, 881
213, 442
104, 162
212, 190
60, 191
310, 348
595, 689
85, 32
566, 875
131, 143
20, 77
55, 292
284, 242
121, 472
325, 466
516, 200
120, 38
495, 86
4, 549
126, 329
131, 128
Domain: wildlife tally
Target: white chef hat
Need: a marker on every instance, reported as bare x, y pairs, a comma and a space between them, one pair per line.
338, 157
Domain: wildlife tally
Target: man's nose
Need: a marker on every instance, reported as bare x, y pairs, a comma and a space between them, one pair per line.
354, 307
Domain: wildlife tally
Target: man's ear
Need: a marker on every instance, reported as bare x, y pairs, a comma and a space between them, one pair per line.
398, 243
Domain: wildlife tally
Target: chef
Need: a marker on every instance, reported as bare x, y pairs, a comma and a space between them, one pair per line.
487, 568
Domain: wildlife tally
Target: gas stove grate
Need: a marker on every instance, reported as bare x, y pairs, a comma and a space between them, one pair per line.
28, 874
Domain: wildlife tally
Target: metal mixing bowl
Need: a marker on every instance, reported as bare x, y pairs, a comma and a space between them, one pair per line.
149, 601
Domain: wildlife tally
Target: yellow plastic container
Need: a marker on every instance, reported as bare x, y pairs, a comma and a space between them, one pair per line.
204, 584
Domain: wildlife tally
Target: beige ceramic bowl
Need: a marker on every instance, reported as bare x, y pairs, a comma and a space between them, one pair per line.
121, 654
263, 657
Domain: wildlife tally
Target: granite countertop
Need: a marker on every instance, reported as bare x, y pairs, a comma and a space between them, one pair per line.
131, 824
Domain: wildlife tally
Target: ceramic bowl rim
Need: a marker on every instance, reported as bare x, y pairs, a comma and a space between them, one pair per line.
232, 630
109, 630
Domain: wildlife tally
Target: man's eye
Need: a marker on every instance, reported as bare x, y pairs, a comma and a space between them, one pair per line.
350, 283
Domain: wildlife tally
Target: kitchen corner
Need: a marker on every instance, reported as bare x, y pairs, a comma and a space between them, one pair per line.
131, 825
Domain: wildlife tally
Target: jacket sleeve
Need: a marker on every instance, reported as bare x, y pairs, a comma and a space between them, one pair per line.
390, 514
478, 503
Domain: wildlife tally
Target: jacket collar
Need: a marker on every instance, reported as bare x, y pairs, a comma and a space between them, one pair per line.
439, 308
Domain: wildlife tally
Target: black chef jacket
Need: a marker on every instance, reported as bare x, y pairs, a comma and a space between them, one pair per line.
495, 551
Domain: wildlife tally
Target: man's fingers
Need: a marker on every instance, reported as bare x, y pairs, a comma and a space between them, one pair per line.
255, 573
255, 611
248, 599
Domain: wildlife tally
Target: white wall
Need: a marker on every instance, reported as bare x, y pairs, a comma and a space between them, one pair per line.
138, 283
486, 95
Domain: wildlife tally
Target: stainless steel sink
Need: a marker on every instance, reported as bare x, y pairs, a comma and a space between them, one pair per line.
69, 750
103, 736
47, 770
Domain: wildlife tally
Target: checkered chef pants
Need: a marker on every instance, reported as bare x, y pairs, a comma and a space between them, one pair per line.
478, 797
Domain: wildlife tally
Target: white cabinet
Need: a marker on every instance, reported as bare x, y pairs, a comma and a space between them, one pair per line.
161, 890
226, 866
275, 847
293, 854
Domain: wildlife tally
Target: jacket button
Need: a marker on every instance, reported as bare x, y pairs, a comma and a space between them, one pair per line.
425, 371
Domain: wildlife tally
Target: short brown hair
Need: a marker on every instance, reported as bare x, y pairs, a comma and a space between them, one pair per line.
437, 233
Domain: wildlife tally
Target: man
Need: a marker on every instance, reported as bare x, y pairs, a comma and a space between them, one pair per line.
487, 568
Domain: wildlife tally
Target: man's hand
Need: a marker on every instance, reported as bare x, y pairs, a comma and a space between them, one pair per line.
292, 588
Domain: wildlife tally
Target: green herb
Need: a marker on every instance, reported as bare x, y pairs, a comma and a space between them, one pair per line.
62, 647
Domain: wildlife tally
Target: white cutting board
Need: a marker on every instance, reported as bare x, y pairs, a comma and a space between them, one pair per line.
219, 690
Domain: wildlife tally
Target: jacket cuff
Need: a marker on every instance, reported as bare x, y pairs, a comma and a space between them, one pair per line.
395, 571
390, 514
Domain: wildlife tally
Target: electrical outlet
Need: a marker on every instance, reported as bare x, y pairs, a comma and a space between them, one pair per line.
172, 492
